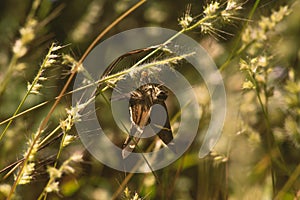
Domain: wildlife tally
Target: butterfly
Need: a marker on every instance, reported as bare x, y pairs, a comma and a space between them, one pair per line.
141, 102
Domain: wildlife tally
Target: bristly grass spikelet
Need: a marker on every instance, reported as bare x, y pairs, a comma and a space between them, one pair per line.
215, 15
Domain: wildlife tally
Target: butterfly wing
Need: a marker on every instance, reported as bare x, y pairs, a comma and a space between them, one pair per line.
165, 133
139, 115
164, 130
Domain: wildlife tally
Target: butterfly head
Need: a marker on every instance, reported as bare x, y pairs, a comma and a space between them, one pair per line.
151, 93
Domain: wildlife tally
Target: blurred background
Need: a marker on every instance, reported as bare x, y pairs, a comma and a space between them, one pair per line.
241, 166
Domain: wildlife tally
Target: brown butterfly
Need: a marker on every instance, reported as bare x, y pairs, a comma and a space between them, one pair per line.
141, 102
140, 107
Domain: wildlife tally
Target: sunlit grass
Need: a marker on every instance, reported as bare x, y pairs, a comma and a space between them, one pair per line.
257, 156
